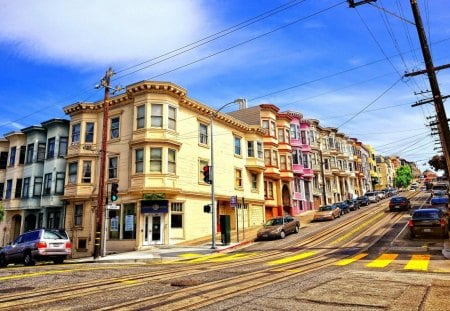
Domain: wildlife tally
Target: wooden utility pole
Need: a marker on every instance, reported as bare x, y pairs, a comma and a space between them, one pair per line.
101, 184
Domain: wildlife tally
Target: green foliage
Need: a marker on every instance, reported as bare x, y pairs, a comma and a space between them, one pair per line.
154, 196
2, 212
404, 176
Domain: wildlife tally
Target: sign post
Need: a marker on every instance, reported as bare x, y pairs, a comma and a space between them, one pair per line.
233, 203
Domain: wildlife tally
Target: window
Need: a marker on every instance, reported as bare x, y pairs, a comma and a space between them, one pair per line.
281, 135
18, 191
37, 186
112, 170
155, 160
59, 187
176, 215
172, 118
51, 148
22, 154
73, 172
156, 119
8, 189
12, 156
78, 220
139, 161
237, 145
30, 152
3, 160
115, 127
140, 117
250, 149
259, 147
254, 177
26, 188
89, 135
2, 188
267, 157
274, 158
265, 125
295, 156
283, 162
203, 132
294, 131
86, 177
62, 147
238, 178
272, 128
171, 161
268, 190
47, 184
76, 133
304, 136
41, 152
306, 160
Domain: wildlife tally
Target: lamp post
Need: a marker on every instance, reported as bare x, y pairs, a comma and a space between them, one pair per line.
212, 169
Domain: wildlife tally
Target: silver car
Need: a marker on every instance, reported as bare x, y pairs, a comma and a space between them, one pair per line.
37, 245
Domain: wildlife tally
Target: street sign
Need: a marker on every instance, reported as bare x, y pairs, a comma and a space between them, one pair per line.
233, 201
113, 206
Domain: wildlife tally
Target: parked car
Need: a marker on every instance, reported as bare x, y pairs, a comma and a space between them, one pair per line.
428, 221
399, 203
373, 197
37, 245
327, 212
380, 195
439, 198
353, 204
278, 227
344, 207
439, 187
363, 200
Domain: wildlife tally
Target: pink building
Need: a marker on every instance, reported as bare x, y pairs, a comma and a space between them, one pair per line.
302, 198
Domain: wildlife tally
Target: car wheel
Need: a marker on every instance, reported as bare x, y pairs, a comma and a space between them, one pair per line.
282, 234
3, 261
28, 259
58, 260
297, 229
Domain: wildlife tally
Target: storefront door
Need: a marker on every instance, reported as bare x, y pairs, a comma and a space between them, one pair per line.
153, 229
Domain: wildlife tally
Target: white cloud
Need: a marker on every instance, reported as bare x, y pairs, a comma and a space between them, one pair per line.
100, 32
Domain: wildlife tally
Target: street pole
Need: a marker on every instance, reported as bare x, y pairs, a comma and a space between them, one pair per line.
323, 175
99, 237
430, 70
212, 173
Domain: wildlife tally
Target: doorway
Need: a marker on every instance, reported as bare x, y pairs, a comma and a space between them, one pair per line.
153, 229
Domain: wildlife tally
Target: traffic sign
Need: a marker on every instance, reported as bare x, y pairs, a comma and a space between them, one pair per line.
233, 200
113, 206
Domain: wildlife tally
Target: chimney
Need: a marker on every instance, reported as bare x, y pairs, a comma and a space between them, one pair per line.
242, 103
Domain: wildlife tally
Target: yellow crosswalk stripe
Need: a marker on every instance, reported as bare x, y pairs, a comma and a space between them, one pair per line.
418, 262
232, 257
348, 261
206, 257
291, 258
382, 261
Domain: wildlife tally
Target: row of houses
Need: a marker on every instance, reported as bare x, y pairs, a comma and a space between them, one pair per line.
158, 142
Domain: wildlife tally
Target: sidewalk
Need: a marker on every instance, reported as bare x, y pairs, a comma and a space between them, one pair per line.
199, 246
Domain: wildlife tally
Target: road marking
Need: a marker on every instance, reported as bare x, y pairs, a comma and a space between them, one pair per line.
418, 262
190, 255
205, 258
348, 261
356, 229
27, 275
232, 257
291, 258
382, 261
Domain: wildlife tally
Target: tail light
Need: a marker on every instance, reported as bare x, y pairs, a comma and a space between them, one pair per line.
443, 223
410, 223
41, 244
68, 245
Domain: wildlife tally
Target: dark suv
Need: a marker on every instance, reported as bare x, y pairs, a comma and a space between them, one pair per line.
37, 245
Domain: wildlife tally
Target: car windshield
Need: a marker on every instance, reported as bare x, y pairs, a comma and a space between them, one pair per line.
325, 208
361, 198
55, 234
439, 193
274, 222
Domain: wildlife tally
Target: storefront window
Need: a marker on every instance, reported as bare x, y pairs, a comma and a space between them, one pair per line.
122, 223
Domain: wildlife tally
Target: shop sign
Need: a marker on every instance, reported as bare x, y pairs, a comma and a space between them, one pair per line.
154, 206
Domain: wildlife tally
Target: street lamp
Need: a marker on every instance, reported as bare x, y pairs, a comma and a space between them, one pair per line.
212, 169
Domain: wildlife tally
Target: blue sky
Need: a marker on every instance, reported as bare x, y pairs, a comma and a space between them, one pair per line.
339, 65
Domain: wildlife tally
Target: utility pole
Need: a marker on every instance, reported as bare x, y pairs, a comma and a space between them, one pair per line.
99, 238
431, 72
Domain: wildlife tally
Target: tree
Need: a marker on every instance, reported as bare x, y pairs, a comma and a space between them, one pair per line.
403, 177
438, 163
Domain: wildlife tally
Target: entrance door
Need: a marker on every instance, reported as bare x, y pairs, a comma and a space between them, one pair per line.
153, 229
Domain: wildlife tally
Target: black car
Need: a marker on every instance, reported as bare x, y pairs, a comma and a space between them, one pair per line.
399, 203
363, 200
344, 207
428, 221
353, 205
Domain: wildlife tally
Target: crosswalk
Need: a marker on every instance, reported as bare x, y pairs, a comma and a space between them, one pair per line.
414, 262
